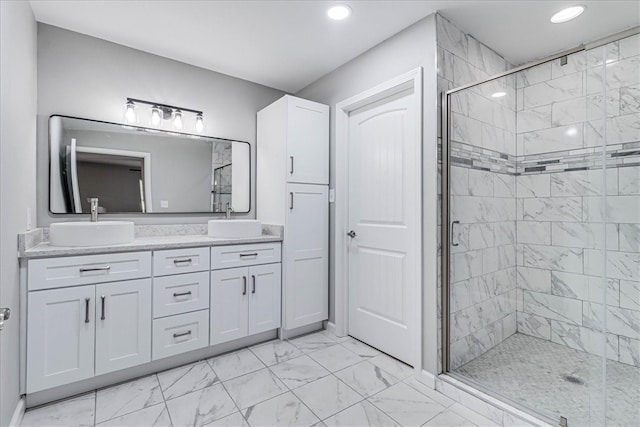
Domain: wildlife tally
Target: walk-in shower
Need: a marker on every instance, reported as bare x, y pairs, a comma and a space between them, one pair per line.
541, 235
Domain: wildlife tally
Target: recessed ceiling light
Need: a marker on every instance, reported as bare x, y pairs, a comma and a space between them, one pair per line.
567, 14
498, 94
339, 12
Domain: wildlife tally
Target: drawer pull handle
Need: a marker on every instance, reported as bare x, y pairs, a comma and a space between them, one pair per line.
88, 269
181, 294
249, 255
253, 286
183, 334
102, 298
244, 285
86, 310
291, 169
182, 261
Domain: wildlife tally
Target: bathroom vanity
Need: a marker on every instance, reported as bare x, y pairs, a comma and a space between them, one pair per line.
98, 315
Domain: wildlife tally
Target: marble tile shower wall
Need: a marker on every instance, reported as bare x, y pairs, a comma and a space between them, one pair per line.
483, 291
559, 187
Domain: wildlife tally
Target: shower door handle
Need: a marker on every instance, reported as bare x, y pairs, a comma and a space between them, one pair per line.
451, 234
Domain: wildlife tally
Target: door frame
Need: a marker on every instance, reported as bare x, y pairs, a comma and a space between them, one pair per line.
409, 80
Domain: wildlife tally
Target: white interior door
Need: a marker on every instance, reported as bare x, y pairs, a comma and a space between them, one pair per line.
384, 215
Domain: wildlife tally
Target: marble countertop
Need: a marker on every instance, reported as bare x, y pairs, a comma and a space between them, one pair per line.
44, 250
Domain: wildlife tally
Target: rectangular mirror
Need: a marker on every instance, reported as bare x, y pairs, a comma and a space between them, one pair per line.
132, 169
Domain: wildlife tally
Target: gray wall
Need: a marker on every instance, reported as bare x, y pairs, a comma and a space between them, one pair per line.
87, 77
17, 176
411, 48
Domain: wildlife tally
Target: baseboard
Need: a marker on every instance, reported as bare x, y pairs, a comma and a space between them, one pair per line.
16, 419
331, 327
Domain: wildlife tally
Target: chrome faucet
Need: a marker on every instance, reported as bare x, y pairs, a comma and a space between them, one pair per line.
94, 209
229, 210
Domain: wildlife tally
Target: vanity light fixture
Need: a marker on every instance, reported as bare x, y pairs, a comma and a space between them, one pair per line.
339, 12
177, 120
199, 123
567, 14
130, 112
156, 115
161, 112
498, 94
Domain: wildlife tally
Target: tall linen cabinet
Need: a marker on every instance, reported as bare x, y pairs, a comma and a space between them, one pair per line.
292, 191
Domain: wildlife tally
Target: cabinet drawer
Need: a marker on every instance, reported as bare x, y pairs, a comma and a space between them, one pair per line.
176, 261
180, 333
81, 270
180, 293
244, 255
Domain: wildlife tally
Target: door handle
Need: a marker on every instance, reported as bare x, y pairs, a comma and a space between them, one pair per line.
253, 286
244, 285
291, 200
352, 234
102, 298
86, 310
452, 224
291, 169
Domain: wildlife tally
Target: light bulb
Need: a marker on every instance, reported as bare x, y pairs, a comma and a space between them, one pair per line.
130, 113
498, 94
199, 123
156, 115
177, 120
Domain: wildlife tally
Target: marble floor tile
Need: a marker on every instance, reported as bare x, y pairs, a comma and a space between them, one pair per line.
234, 420
429, 392
77, 411
334, 337
472, 416
235, 364
360, 414
275, 352
392, 366
255, 387
359, 348
153, 416
283, 410
128, 397
366, 378
299, 371
186, 379
449, 419
327, 396
313, 342
201, 407
335, 357
406, 405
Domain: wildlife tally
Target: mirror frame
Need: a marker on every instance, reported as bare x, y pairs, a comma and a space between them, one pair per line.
139, 214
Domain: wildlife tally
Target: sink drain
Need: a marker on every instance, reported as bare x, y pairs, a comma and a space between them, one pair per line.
573, 380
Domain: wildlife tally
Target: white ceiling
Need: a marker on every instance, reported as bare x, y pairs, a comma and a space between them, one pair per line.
290, 44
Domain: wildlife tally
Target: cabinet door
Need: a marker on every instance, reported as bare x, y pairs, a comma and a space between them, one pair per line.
123, 325
264, 297
60, 337
306, 289
307, 142
229, 304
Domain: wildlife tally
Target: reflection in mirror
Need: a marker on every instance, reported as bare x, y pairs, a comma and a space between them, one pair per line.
139, 170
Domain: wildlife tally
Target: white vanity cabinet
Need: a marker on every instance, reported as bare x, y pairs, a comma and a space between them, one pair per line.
245, 300
293, 177
87, 327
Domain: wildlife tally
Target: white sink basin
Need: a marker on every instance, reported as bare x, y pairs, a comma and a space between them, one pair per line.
230, 228
86, 233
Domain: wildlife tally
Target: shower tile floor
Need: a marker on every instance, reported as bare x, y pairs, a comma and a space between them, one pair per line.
534, 372
318, 379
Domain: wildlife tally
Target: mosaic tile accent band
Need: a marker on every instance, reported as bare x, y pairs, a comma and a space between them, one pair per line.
619, 155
